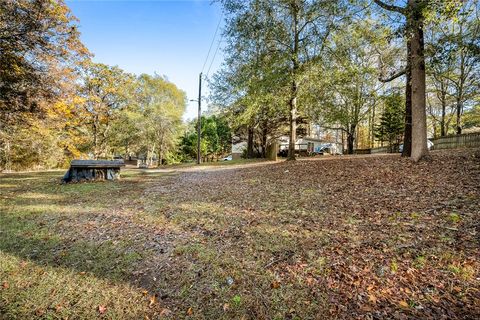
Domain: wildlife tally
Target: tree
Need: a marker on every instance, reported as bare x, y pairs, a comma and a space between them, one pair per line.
291, 33
250, 87
36, 38
105, 91
454, 52
415, 12
350, 78
472, 117
162, 106
216, 138
391, 126
39, 50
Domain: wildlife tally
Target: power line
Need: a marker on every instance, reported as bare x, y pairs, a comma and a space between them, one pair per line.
215, 54
211, 44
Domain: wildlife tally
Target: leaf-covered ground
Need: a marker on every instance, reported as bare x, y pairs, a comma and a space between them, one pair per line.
371, 237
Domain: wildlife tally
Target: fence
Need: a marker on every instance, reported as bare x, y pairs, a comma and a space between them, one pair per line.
467, 140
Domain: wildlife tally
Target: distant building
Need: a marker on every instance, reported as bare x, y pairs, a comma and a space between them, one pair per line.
309, 146
238, 149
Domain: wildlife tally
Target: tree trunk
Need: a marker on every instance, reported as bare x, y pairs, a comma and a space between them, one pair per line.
95, 137
443, 131
351, 139
294, 88
293, 123
459, 115
372, 128
419, 116
250, 143
264, 140
460, 94
407, 139
350, 142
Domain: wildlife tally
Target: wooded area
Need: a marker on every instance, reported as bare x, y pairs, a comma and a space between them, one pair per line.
380, 73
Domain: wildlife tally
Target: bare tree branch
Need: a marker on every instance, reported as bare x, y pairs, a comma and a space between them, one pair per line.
390, 7
393, 76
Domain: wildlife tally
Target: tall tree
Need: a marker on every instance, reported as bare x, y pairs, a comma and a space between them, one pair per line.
415, 13
162, 106
105, 91
39, 48
36, 38
456, 46
291, 33
349, 77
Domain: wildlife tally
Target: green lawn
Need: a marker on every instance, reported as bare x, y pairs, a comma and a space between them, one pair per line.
336, 238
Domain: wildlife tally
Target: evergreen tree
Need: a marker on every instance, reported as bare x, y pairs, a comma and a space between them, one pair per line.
391, 125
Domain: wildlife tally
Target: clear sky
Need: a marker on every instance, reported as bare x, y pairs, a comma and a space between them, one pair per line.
169, 37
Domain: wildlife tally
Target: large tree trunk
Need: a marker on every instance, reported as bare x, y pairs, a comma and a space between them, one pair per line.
419, 115
407, 138
351, 139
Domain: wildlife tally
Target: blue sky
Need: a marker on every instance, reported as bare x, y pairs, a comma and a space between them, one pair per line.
171, 38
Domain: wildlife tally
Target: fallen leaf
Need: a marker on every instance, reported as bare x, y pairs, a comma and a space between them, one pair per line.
190, 311
275, 285
102, 309
5, 285
403, 304
226, 307
372, 298
39, 312
165, 312
153, 299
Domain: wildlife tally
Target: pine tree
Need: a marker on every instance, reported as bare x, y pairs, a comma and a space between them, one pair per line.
391, 125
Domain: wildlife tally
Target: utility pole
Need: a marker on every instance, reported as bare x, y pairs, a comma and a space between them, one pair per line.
199, 124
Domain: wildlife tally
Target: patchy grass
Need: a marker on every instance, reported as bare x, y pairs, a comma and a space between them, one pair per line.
353, 237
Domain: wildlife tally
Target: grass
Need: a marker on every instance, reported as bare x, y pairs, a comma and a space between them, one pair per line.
340, 238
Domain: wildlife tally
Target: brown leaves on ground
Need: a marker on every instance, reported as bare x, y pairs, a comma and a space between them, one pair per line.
370, 237
374, 236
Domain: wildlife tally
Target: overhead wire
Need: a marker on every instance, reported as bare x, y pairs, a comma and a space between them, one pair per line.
215, 54
211, 44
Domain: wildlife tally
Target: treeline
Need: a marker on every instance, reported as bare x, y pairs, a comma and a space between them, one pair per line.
377, 72
56, 104
215, 139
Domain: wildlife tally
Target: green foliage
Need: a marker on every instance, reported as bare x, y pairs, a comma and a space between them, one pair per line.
216, 138
38, 42
471, 118
392, 124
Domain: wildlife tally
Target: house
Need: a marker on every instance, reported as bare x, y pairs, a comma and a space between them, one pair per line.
310, 145
238, 149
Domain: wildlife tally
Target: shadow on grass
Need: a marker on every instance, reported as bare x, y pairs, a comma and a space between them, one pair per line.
28, 239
